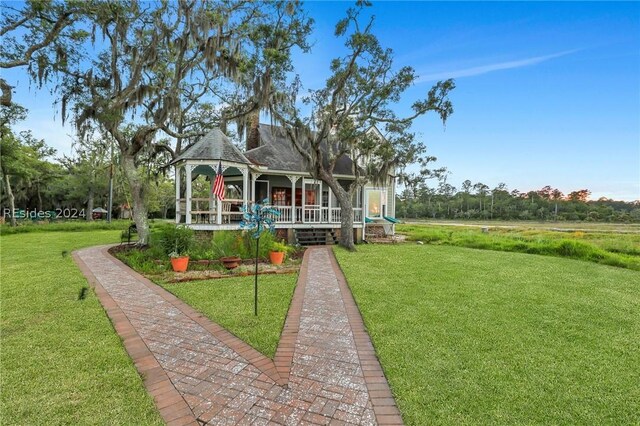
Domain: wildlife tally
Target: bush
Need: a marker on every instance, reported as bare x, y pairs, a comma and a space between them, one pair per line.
266, 241
178, 239
241, 244
227, 243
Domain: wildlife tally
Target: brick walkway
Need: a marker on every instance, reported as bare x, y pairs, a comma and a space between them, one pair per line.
325, 370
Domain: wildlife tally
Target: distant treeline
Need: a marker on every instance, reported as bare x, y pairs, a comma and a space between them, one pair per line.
478, 201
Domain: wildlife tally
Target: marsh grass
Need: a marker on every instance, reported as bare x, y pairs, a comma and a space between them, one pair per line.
614, 249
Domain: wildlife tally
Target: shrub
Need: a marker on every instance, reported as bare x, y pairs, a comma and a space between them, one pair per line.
227, 243
266, 241
175, 239
279, 247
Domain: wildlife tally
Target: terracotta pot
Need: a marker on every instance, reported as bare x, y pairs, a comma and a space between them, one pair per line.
230, 262
180, 264
276, 257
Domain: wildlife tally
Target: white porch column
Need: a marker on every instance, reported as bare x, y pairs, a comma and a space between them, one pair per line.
245, 186
362, 201
319, 199
304, 198
293, 180
219, 203
254, 178
330, 212
212, 200
177, 171
187, 196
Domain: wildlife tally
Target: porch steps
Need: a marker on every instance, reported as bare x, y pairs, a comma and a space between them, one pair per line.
315, 237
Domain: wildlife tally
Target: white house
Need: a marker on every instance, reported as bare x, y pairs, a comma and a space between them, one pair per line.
275, 171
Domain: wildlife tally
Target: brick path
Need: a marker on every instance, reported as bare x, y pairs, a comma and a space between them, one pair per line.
325, 370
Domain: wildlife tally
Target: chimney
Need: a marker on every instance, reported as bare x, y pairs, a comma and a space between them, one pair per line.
253, 135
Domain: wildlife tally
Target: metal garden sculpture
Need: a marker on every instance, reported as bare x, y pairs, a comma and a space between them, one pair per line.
256, 219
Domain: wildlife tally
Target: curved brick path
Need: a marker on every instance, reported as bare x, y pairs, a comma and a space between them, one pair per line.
325, 370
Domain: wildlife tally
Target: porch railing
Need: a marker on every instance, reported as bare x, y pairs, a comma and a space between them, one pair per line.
285, 214
203, 211
357, 215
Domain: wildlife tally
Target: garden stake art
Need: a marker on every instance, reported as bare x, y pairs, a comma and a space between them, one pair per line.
256, 219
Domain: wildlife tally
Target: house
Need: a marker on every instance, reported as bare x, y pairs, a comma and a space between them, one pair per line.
275, 171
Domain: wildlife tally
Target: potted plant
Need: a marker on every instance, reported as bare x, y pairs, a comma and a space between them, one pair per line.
230, 262
179, 262
277, 252
176, 242
225, 251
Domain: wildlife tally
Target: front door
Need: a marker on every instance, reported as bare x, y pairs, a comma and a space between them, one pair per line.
311, 201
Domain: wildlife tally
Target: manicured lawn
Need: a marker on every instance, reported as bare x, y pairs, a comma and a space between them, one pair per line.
483, 337
61, 360
229, 302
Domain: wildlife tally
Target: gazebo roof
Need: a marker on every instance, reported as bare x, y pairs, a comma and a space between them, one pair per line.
215, 145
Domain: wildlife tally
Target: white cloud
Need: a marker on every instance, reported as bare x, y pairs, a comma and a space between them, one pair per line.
484, 69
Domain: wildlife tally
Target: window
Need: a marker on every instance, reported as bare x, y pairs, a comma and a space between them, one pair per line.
374, 204
281, 197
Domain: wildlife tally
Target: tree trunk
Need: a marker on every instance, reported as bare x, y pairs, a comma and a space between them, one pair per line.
346, 212
253, 133
12, 201
346, 220
136, 185
89, 212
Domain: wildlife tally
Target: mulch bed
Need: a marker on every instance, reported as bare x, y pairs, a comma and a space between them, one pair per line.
209, 269
241, 271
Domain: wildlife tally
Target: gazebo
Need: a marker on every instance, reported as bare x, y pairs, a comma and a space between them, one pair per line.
197, 167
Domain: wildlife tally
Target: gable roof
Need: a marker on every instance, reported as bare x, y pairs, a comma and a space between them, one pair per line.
215, 145
277, 153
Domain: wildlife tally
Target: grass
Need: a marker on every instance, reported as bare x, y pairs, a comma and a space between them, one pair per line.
229, 302
530, 224
479, 337
606, 247
61, 360
27, 226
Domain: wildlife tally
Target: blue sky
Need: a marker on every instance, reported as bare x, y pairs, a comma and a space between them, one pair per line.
548, 93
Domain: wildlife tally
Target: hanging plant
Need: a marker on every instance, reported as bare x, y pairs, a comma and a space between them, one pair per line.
256, 219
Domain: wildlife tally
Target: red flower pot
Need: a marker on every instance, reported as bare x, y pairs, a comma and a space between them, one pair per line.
276, 257
180, 264
230, 262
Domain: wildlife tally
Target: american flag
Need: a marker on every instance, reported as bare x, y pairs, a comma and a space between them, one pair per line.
218, 184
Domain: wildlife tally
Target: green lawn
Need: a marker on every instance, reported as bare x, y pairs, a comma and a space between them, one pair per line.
483, 337
229, 302
61, 361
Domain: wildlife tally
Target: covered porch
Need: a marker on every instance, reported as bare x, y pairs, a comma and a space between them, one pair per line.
301, 202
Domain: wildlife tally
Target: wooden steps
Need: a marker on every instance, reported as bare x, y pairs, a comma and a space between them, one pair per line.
315, 237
